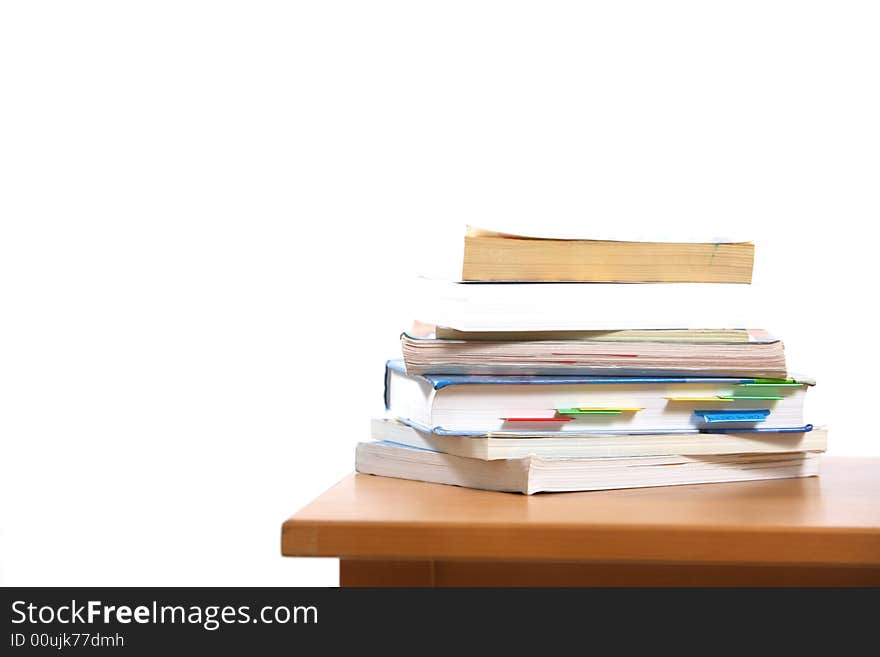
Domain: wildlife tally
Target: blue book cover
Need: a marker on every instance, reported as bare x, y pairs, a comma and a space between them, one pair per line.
440, 431
439, 381
745, 419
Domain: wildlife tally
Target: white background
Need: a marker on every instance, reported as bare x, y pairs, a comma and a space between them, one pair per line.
210, 211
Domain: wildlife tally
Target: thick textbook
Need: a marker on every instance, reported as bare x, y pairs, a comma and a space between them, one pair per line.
602, 354
493, 256
535, 474
510, 445
482, 403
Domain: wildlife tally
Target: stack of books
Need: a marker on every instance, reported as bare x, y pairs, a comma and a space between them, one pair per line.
541, 371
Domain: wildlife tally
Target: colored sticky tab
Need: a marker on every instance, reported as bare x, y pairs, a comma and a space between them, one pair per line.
699, 399
592, 411
759, 397
776, 381
596, 411
536, 419
620, 409
752, 415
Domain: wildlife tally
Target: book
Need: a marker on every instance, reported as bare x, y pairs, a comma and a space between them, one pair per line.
494, 256
511, 445
420, 330
484, 403
759, 355
535, 474
480, 307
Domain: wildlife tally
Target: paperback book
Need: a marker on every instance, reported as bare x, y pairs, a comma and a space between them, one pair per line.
537, 474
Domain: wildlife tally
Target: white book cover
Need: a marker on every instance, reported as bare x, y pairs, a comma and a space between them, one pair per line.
583, 306
507, 445
535, 474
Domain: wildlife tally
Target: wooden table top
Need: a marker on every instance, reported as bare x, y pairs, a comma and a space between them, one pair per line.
830, 519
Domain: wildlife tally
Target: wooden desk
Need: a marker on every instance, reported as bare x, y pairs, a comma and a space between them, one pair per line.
813, 531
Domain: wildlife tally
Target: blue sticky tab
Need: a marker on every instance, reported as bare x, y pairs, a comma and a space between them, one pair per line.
751, 415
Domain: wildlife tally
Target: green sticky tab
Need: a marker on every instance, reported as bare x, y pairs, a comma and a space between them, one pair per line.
578, 411
761, 397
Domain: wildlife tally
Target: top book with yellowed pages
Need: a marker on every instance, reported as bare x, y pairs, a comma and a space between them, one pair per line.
504, 257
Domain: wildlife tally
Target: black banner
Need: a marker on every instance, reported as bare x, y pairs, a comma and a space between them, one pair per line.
275, 621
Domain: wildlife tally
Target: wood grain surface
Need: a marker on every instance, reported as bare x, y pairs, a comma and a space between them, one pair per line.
833, 520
